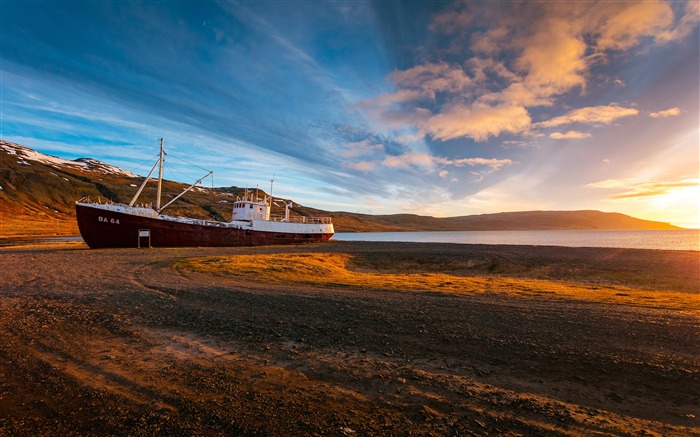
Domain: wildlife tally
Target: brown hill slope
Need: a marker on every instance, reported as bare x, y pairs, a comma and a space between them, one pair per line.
523, 220
37, 194
528, 220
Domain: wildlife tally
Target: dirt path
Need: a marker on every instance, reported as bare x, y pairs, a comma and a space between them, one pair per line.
120, 342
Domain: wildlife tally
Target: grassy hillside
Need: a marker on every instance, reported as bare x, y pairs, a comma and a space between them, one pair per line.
38, 193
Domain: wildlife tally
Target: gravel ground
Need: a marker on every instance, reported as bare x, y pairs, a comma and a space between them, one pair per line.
118, 342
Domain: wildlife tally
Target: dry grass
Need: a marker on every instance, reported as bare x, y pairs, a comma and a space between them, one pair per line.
345, 270
37, 226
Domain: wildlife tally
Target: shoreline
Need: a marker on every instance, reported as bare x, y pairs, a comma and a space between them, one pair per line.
687, 239
33, 239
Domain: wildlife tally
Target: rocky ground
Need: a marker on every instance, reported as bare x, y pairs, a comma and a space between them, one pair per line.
105, 342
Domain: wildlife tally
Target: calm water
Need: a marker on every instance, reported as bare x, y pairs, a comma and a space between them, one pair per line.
667, 240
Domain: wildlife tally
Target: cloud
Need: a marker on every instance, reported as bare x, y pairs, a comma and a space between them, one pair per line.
530, 54
614, 183
494, 163
429, 163
570, 135
402, 96
622, 27
552, 59
687, 23
672, 112
591, 115
633, 188
451, 22
408, 160
361, 166
361, 148
434, 78
478, 122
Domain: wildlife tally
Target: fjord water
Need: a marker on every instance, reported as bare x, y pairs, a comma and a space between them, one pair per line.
687, 239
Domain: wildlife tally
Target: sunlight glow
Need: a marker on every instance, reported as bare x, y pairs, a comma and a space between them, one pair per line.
680, 206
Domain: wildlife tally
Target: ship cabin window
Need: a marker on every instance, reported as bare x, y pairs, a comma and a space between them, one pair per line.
251, 206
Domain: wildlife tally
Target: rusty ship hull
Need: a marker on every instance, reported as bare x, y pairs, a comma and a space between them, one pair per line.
103, 227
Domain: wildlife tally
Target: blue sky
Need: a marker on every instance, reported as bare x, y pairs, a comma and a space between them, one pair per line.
435, 108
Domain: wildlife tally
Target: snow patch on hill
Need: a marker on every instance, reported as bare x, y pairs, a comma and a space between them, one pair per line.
25, 154
99, 166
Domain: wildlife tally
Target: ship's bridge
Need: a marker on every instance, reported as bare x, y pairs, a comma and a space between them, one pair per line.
247, 210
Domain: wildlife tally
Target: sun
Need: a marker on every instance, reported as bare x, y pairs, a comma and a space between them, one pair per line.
680, 206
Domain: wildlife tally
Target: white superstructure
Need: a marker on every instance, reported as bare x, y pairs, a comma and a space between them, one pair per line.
254, 213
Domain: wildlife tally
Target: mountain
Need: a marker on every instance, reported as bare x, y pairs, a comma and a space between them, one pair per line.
504, 221
38, 191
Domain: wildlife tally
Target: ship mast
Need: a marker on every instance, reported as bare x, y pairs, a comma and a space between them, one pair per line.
160, 175
159, 163
136, 196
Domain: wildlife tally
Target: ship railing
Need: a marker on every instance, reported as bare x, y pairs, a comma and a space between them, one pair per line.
296, 219
194, 221
99, 200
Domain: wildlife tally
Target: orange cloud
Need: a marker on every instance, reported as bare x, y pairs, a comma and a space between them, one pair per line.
640, 189
672, 112
622, 27
434, 77
614, 183
553, 58
478, 122
570, 135
531, 54
592, 114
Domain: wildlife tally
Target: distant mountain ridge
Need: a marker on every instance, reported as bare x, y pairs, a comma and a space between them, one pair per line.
583, 219
504, 221
38, 192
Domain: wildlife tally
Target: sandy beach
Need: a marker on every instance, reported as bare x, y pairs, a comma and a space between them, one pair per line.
349, 338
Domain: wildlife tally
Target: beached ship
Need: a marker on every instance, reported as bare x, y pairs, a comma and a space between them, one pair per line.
105, 225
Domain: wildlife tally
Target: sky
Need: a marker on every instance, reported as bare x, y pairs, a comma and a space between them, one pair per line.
432, 108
